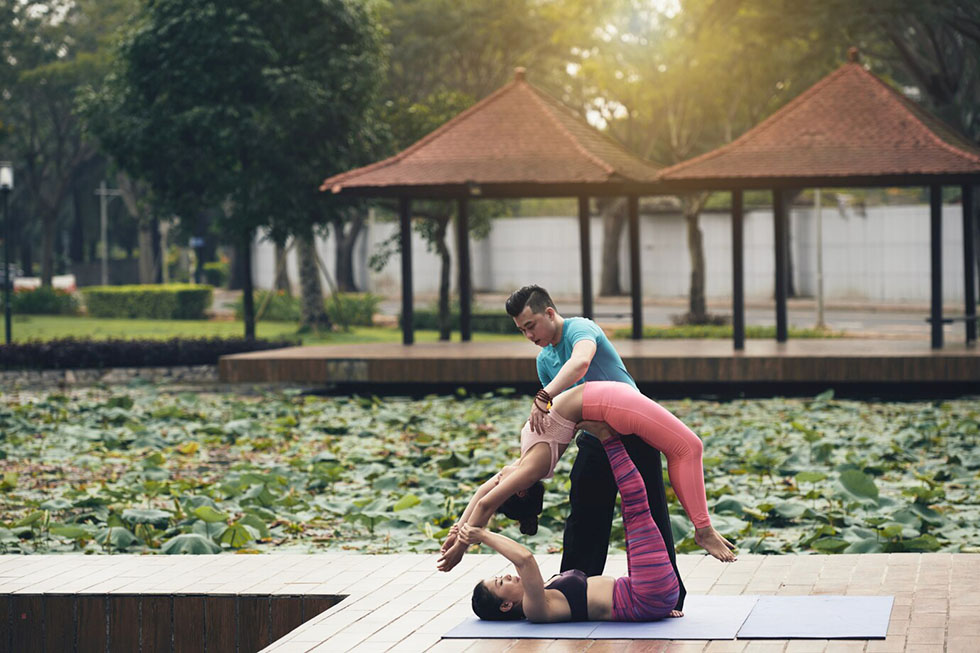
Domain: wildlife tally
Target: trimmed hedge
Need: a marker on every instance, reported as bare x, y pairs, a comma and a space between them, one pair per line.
178, 301
42, 301
722, 331
71, 353
483, 322
357, 309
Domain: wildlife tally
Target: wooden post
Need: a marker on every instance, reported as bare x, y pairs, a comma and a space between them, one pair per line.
405, 235
585, 255
635, 290
463, 261
969, 264
779, 236
738, 277
936, 258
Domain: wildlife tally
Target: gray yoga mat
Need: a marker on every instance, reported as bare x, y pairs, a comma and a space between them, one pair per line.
706, 617
717, 617
818, 617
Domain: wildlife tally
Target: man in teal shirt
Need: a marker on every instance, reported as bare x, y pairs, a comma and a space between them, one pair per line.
575, 350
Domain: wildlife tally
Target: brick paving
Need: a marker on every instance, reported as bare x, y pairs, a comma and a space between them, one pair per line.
401, 603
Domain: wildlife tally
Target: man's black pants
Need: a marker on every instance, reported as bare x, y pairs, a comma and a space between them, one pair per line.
593, 502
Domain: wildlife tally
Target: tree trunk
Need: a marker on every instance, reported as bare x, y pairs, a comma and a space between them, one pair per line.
26, 256
235, 273
697, 308
48, 221
613, 213
282, 272
445, 324
344, 243
76, 247
248, 300
147, 264
313, 312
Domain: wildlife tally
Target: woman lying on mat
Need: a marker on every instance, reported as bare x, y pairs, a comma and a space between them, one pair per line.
624, 410
647, 593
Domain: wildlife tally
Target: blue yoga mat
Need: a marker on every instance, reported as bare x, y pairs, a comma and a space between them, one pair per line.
705, 617
818, 617
717, 617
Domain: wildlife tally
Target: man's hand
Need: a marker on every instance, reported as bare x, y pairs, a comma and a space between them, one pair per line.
451, 557
471, 534
451, 538
537, 418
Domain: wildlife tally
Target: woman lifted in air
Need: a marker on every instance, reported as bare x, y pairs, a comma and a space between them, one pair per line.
624, 410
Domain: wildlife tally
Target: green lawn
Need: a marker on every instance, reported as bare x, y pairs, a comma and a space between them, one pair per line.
50, 327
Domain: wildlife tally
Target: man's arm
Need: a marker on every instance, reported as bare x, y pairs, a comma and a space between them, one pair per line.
574, 369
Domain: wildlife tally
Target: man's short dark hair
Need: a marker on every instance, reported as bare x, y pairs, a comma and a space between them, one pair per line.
534, 296
487, 606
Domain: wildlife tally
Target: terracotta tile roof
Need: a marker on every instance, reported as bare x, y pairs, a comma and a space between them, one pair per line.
517, 135
850, 123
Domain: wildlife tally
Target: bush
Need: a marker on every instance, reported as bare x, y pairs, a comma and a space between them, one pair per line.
169, 302
480, 321
42, 301
724, 331
355, 309
216, 273
71, 353
280, 307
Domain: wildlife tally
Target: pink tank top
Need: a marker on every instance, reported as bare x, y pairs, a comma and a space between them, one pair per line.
558, 432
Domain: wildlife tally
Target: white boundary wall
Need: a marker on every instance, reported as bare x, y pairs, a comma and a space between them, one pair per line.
881, 256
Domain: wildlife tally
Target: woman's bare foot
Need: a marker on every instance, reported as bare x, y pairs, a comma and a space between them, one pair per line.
675, 614
599, 429
711, 541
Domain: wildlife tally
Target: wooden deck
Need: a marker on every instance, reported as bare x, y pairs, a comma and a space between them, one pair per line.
649, 361
401, 603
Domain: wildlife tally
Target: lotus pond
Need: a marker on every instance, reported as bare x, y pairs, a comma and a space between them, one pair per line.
146, 469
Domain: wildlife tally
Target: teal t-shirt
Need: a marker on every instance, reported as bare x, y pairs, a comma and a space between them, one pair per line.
606, 364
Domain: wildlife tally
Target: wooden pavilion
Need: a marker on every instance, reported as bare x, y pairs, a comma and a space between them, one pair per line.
848, 129
518, 142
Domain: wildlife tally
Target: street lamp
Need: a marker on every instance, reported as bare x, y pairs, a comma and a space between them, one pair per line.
6, 185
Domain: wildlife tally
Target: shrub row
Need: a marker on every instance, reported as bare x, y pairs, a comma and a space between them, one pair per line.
41, 301
722, 331
166, 302
353, 309
483, 322
71, 353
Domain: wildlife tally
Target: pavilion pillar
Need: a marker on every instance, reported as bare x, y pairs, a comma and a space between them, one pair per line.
585, 255
405, 239
936, 258
738, 280
463, 260
633, 203
969, 264
782, 270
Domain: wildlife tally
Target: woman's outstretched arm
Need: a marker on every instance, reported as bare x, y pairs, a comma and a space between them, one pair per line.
533, 467
534, 603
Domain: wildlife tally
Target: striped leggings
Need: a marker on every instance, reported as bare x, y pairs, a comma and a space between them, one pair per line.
650, 590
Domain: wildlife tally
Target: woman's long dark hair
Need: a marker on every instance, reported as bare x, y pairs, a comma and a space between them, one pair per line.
525, 509
487, 606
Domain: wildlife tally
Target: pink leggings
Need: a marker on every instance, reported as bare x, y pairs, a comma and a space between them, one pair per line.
627, 411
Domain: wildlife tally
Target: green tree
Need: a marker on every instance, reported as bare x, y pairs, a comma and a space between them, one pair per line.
447, 54
49, 50
674, 84
243, 105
